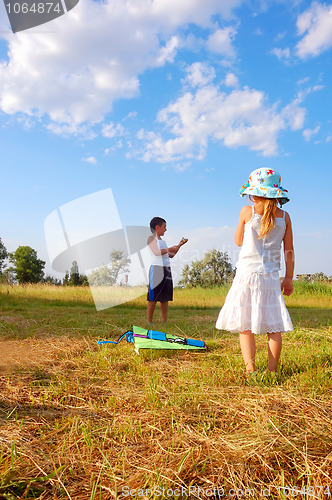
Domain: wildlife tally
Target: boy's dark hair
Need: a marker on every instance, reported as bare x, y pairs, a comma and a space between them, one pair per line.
156, 221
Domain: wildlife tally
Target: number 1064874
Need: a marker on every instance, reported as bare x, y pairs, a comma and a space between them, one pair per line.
36, 8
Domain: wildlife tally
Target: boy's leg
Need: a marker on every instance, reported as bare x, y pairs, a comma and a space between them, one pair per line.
274, 350
150, 311
248, 349
164, 311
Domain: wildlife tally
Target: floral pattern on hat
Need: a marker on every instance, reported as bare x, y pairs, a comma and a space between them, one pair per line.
265, 182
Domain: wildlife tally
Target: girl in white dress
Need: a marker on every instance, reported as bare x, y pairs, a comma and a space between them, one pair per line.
254, 304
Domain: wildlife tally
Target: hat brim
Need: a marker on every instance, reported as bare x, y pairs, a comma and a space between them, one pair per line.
266, 192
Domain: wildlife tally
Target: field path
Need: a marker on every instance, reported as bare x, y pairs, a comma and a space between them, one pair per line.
32, 352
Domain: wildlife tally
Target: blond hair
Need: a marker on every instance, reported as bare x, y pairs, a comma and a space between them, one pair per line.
267, 222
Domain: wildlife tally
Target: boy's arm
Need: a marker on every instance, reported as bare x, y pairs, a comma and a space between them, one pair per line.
170, 250
287, 283
174, 250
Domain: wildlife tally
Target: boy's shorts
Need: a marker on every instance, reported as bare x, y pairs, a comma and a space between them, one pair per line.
160, 284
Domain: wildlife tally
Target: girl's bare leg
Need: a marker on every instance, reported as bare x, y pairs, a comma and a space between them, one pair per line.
274, 350
150, 311
248, 348
164, 311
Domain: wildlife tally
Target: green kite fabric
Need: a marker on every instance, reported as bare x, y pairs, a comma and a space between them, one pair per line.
152, 339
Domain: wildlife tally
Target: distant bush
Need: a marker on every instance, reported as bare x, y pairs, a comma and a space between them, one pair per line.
214, 270
314, 278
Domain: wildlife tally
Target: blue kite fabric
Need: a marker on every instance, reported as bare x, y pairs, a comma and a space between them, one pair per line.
152, 339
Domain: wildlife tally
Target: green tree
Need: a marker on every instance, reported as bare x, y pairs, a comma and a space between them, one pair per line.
108, 275
27, 268
215, 269
84, 280
3, 256
66, 279
74, 279
8, 276
313, 278
191, 275
102, 276
319, 277
51, 280
119, 264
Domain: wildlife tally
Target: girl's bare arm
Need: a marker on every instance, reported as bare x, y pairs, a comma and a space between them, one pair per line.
287, 284
244, 217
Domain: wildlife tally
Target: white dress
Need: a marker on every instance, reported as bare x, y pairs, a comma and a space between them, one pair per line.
254, 301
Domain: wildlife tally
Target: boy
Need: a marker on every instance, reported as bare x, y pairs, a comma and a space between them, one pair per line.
160, 276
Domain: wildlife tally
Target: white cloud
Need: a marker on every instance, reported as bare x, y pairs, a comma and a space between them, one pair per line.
200, 74
176, 12
90, 159
180, 167
317, 87
303, 80
294, 114
231, 80
308, 133
94, 55
115, 147
110, 130
84, 131
168, 52
280, 36
281, 53
220, 42
315, 24
131, 115
241, 117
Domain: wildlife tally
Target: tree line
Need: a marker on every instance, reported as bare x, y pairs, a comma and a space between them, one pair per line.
213, 270
24, 267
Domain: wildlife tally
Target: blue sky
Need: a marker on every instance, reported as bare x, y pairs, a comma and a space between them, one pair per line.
171, 105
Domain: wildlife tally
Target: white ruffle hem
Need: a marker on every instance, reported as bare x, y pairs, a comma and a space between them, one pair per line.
255, 302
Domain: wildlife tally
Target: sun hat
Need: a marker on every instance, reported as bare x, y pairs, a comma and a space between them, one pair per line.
265, 182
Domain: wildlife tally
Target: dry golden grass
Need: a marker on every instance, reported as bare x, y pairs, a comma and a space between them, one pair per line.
47, 292
92, 432
305, 295
80, 421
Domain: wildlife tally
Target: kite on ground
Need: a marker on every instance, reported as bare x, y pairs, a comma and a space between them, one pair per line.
152, 339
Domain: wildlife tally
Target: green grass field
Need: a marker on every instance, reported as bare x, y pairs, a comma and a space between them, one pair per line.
83, 421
